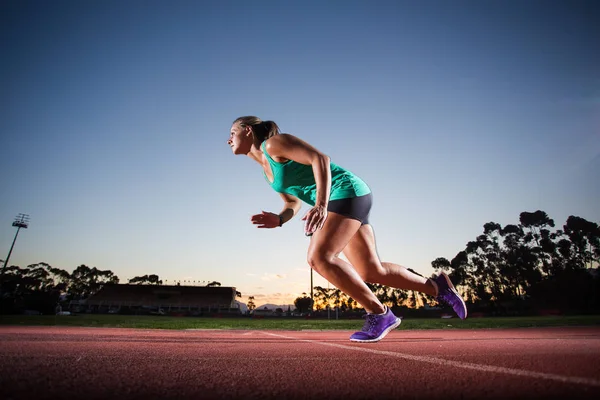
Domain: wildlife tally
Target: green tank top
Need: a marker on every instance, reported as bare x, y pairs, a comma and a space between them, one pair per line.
298, 180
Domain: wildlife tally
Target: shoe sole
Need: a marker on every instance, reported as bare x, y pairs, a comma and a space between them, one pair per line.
453, 289
383, 334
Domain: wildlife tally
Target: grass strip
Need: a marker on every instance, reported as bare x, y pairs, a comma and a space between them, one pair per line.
245, 323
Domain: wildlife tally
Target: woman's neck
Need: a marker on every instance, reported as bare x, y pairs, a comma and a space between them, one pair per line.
256, 154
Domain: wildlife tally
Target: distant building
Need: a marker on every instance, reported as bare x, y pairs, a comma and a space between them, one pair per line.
153, 298
263, 312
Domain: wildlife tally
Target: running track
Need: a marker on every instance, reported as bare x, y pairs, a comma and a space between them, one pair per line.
106, 363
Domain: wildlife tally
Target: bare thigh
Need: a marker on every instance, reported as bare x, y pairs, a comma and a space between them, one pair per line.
329, 241
361, 252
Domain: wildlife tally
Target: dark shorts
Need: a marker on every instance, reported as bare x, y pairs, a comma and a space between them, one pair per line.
356, 207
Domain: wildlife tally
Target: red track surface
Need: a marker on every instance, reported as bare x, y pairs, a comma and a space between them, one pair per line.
100, 363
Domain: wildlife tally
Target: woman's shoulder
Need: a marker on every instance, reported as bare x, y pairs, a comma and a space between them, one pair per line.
281, 139
276, 145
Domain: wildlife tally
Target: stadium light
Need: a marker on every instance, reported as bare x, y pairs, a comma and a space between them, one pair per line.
21, 221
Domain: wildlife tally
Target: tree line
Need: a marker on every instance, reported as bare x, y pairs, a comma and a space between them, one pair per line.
530, 264
512, 268
40, 286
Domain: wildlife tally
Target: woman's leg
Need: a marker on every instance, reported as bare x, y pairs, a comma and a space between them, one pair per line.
361, 251
323, 256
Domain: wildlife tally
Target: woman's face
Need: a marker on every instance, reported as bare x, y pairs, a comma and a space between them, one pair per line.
240, 139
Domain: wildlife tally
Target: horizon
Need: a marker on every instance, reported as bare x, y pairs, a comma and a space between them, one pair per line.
269, 298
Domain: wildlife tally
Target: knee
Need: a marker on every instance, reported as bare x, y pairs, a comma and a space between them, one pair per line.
319, 258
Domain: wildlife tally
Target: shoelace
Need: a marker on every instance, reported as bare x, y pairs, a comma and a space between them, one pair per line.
449, 298
445, 297
370, 323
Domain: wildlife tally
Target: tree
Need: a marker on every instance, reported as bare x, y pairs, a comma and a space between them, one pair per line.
303, 304
338, 297
383, 293
414, 299
349, 303
38, 286
322, 297
86, 281
146, 279
537, 223
398, 297
250, 304
529, 262
520, 266
441, 263
585, 237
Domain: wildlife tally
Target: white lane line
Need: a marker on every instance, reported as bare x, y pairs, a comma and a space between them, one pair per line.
457, 364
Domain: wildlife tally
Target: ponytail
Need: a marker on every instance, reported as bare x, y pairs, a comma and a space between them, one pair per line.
262, 130
271, 129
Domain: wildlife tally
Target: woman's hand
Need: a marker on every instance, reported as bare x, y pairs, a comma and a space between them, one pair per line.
314, 219
266, 220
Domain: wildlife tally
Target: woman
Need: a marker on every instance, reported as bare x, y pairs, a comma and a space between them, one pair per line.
337, 222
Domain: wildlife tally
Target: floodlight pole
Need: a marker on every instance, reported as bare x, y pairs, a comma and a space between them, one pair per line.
21, 221
312, 296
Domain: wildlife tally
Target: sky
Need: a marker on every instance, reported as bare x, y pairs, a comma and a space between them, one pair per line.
114, 118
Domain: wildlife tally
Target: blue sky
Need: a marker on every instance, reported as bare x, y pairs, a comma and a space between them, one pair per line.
115, 116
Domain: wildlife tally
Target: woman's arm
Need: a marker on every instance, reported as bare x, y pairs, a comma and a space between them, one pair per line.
289, 147
291, 206
285, 146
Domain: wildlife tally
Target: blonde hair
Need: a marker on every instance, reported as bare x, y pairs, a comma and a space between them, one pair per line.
262, 130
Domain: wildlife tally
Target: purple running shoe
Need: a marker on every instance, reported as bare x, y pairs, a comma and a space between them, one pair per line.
447, 294
376, 327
